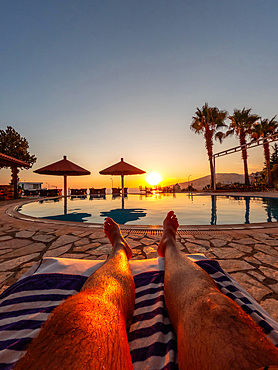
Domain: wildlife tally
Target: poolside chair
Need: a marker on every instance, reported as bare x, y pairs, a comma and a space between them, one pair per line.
7, 192
54, 192
152, 340
26, 193
78, 193
101, 191
116, 192
43, 192
97, 193
49, 192
93, 191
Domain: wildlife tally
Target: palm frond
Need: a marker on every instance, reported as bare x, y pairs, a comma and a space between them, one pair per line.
220, 136
229, 132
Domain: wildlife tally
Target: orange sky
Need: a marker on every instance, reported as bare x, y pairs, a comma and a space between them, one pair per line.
172, 170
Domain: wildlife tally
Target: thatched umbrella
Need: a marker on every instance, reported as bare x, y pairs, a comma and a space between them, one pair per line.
122, 169
63, 168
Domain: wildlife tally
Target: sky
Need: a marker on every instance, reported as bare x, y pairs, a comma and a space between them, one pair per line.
102, 80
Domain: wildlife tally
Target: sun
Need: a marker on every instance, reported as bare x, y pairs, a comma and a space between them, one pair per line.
154, 178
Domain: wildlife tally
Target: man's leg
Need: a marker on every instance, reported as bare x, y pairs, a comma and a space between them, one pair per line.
213, 332
89, 330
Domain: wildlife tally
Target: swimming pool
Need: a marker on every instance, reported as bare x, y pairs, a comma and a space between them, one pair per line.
151, 210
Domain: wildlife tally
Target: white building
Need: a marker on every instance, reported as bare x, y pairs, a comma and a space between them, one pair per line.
31, 186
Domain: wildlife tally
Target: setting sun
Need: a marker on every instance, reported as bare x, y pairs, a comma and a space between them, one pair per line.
154, 178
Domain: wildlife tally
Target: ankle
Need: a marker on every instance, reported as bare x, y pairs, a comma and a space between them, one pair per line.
171, 242
169, 237
170, 246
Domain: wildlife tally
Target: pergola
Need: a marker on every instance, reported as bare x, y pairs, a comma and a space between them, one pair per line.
7, 161
238, 148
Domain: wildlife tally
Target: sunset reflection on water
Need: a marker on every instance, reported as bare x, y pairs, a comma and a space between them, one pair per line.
151, 209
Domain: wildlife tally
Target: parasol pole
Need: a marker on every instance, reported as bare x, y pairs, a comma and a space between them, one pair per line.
65, 194
123, 192
15, 183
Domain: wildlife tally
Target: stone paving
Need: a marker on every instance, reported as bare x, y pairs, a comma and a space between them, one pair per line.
250, 256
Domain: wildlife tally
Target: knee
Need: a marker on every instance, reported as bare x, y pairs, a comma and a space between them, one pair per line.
71, 312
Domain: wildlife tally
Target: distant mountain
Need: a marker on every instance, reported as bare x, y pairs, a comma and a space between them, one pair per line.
224, 178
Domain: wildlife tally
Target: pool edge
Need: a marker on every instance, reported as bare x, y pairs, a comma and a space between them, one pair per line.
12, 211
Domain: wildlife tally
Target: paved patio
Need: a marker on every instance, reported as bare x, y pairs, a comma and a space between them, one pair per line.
249, 254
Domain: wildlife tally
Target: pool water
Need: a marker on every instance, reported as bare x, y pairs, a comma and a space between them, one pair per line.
151, 210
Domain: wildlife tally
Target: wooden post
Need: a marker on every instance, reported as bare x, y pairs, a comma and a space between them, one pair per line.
14, 171
214, 174
65, 194
123, 192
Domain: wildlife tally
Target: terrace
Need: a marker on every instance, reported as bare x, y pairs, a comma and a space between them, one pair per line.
249, 254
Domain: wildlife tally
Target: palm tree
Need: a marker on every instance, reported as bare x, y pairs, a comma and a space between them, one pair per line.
264, 129
208, 120
241, 125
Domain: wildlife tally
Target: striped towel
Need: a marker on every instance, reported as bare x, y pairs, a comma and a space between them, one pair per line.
27, 304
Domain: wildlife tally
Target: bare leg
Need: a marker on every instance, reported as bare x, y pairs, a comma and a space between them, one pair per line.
89, 330
213, 331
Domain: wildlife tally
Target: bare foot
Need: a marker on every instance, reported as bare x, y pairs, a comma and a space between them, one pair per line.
170, 225
113, 233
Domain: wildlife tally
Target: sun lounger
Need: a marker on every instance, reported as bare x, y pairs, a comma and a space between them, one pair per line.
50, 192
27, 304
78, 192
116, 191
32, 193
94, 191
97, 193
6, 192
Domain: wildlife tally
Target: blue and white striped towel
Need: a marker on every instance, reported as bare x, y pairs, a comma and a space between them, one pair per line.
27, 304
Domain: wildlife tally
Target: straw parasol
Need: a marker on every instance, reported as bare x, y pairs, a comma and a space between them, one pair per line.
63, 168
122, 169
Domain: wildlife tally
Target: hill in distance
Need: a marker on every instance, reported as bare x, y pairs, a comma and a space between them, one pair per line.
224, 178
